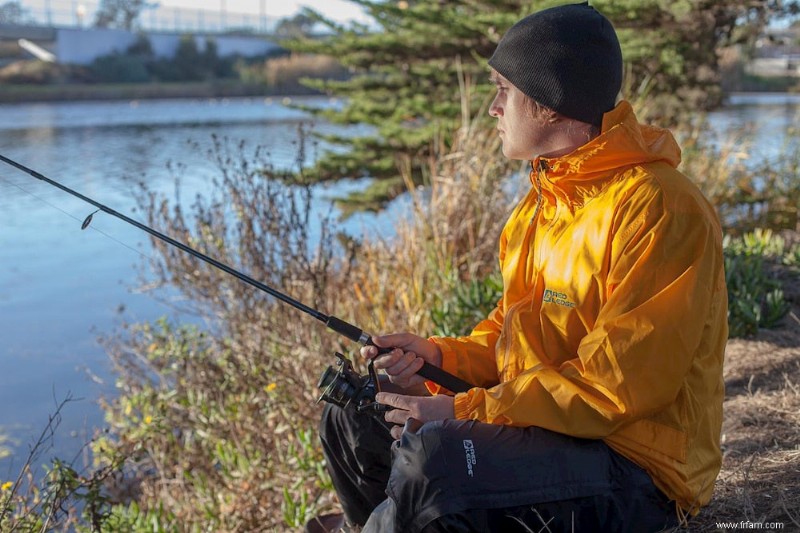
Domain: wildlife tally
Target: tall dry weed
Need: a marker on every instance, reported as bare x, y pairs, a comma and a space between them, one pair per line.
216, 425
449, 232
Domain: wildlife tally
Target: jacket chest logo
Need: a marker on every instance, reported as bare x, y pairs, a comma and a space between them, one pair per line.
558, 298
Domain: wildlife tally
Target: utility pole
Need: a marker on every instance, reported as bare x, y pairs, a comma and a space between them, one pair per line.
263, 11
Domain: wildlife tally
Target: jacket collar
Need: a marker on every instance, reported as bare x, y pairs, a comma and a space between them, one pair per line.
623, 143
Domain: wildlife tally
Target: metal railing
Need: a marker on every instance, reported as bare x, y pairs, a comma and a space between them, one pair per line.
82, 14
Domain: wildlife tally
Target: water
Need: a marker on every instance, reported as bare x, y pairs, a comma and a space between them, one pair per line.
770, 121
62, 288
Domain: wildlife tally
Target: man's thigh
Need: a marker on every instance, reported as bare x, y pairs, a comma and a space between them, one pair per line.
447, 467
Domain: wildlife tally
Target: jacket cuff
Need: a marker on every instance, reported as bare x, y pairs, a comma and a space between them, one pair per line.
461, 407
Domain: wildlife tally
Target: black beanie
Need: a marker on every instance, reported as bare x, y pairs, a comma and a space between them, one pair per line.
566, 58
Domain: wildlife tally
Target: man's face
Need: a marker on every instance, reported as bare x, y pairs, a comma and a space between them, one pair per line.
524, 135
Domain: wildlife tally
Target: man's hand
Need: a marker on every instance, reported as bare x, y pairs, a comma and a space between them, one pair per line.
424, 409
402, 363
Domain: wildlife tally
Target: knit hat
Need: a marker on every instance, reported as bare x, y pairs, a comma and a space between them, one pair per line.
566, 58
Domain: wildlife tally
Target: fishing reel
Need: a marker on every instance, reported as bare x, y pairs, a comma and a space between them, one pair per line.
343, 386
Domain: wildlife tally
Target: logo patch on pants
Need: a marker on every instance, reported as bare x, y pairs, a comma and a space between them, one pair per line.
469, 448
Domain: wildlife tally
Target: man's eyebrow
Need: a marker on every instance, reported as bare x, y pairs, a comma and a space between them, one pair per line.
496, 78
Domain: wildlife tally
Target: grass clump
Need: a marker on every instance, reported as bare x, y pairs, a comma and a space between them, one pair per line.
753, 267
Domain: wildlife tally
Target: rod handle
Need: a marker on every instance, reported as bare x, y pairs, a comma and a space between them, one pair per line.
445, 379
434, 373
428, 371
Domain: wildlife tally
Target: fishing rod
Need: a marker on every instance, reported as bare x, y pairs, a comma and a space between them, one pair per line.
338, 385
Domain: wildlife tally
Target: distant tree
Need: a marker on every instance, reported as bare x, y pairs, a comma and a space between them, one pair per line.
191, 64
413, 68
121, 13
12, 13
294, 27
188, 62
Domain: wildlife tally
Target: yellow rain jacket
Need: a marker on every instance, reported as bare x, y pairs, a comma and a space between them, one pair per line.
613, 319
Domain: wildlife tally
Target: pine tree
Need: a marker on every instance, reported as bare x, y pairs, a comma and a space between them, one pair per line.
412, 72
409, 80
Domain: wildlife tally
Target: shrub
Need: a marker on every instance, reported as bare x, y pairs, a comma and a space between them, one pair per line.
119, 68
755, 297
217, 426
460, 309
746, 194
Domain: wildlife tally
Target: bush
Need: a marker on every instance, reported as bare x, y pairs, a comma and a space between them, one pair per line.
119, 68
755, 297
36, 72
211, 435
218, 426
458, 311
747, 195
138, 64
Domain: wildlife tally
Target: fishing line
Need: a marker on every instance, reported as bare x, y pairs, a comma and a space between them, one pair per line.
85, 223
338, 325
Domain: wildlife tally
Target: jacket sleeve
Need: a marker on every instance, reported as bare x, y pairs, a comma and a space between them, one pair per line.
665, 271
472, 358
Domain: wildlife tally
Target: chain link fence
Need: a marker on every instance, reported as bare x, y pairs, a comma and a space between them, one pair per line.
73, 13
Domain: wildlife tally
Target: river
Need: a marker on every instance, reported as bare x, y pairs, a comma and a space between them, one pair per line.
62, 288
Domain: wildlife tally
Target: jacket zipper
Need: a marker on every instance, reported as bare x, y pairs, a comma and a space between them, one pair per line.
542, 167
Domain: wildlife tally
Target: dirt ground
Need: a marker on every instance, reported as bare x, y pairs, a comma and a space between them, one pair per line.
759, 485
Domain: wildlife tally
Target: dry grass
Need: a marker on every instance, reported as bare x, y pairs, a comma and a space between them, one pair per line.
282, 75
450, 233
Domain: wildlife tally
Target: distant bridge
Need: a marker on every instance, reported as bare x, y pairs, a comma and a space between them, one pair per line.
81, 46
68, 31
81, 14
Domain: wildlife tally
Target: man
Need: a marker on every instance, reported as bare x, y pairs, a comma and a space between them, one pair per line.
598, 378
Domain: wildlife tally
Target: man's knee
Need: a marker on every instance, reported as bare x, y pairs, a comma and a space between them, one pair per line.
332, 421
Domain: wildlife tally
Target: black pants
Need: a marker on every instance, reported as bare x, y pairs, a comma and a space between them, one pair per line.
457, 475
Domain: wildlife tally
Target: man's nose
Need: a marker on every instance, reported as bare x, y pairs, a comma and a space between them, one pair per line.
495, 110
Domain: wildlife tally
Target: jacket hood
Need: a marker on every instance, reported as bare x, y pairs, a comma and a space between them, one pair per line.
623, 142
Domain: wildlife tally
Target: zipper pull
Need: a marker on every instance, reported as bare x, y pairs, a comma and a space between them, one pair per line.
542, 168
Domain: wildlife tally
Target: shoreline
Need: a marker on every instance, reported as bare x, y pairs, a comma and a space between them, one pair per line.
23, 94
34, 93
